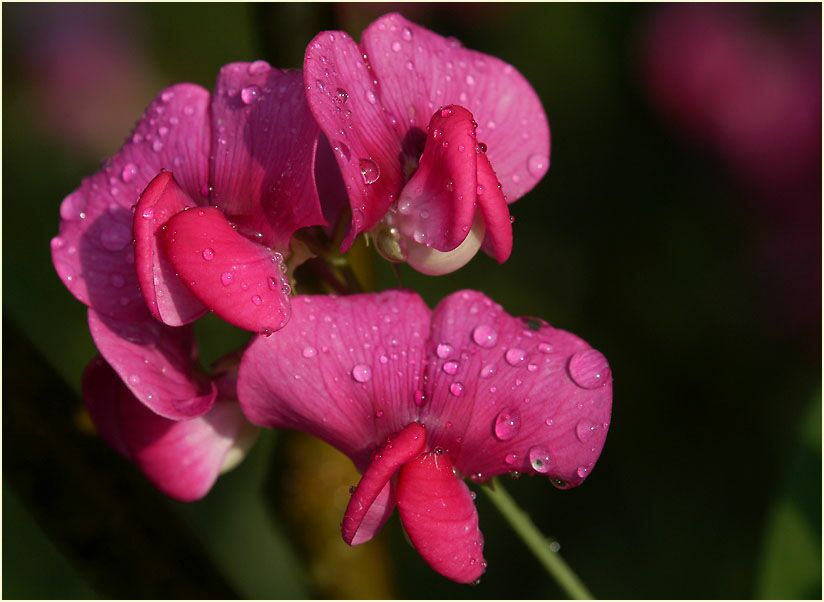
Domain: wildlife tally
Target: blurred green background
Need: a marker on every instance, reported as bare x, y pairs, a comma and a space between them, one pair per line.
641, 239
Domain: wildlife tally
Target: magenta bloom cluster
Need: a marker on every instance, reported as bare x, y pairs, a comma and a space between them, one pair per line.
202, 210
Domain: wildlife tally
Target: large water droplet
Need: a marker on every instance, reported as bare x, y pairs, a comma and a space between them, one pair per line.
582, 471
536, 165
451, 368
208, 254
457, 389
539, 459
361, 373
584, 430
443, 350
507, 424
515, 356
342, 150
484, 335
226, 278
250, 94
369, 171
128, 172
343, 95
115, 237
589, 369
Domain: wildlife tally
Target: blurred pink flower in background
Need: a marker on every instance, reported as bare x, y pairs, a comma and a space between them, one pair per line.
749, 88
87, 70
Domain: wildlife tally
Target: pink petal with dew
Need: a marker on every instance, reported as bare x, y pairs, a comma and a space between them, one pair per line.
155, 362
345, 370
92, 253
495, 212
398, 449
166, 296
514, 394
263, 152
237, 279
419, 71
181, 458
439, 516
345, 102
437, 207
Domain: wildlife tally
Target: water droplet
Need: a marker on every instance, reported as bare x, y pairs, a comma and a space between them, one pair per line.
532, 367
396, 46
451, 368
470, 80
379, 414
250, 94
487, 371
257, 300
589, 369
515, 356
443, 350
116, 237
485, 336
370, 96
162, 130
309, 352
511, 458
410, 66
342, 150
406, 34
420, 397
208, 254
536, 165
257, 67
480, 147
226, 278
343, 95
134, 379
584, 430
128, 173
447, 112
544, 347
507, 424
369, 171
361, 373
157, 146
457, 389
167, 96
582, 471
539, 459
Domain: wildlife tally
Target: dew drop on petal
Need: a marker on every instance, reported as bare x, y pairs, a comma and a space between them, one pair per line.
309, 352
515, 356
443, 350
584, 430
544, 347
250, 94
208, 254
420, 397
157, 146
406, 34
226, 278
361, 373
256, 299
536, 165
134, 379
484, 335
511, 458
589, 369
450, 368
507, 424
457, 389
487, 371
128, 173
539, 459
369, 171
370, 97
396, 46
582, 471
343, 95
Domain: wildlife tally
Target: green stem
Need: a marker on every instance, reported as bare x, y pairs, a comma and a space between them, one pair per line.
540, 545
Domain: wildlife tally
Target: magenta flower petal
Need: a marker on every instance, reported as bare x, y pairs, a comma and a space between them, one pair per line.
419, 71
342, 369
93, 253
497, 220
398, 449
166, 296
439, 515
237, 279
344, 100
437, 206
524, 396
155, 362
379, 512
181, 458
263, 152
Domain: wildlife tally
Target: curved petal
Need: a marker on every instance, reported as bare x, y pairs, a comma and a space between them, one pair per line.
166, 296
418, 71
346, 104
241, 281
438, 513
436, 208
343, 369
181, 458
376, 516
398, 449
514, 394
498, 237
93, 253
155, 362
263, 156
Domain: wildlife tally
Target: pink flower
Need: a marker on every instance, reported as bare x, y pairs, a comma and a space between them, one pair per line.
418, 399
423, 131
147, 260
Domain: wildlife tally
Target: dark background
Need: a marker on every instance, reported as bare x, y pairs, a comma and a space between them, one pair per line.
699, 283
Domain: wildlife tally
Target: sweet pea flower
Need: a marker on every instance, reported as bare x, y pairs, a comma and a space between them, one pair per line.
149, 252
420, 399
423, 130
